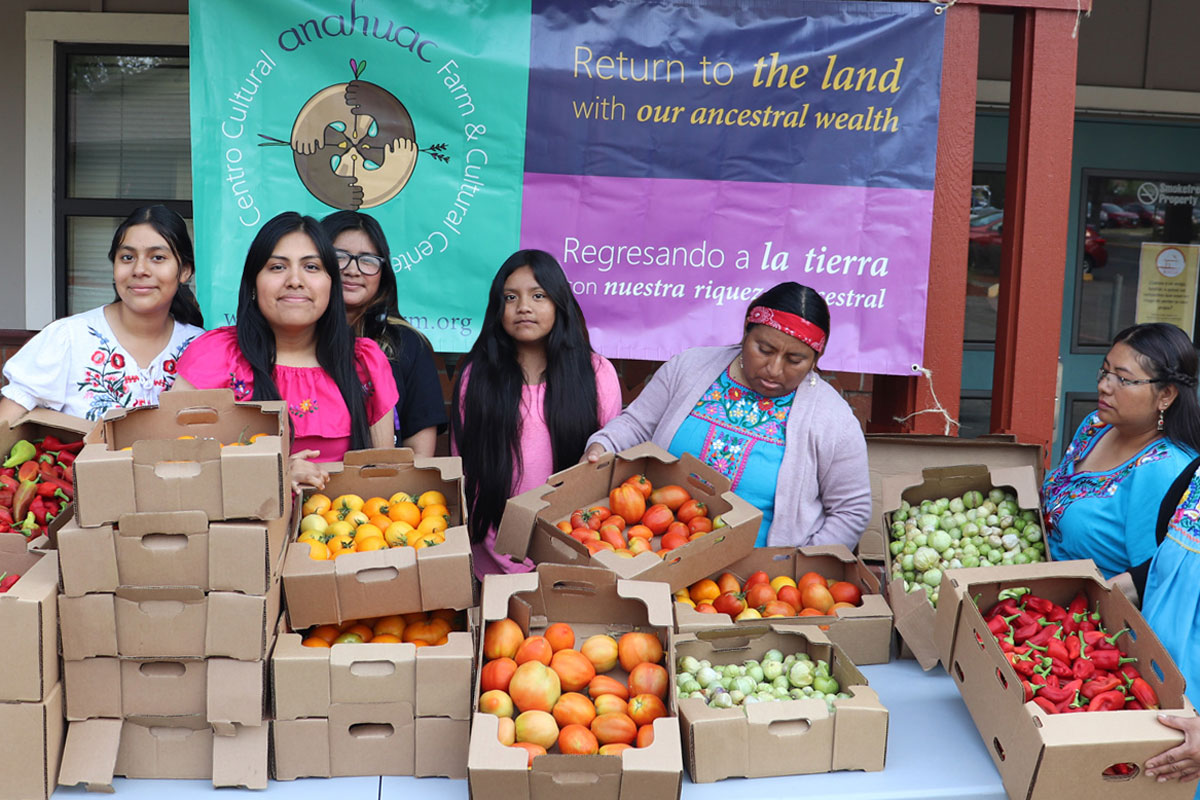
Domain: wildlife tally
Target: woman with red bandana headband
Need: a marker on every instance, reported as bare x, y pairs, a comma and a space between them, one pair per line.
759, 414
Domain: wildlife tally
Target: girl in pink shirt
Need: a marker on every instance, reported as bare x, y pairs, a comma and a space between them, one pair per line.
528, 396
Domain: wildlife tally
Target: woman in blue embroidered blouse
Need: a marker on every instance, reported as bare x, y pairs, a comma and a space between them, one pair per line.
1102, 500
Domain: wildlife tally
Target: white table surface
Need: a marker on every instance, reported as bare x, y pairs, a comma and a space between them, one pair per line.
934, 751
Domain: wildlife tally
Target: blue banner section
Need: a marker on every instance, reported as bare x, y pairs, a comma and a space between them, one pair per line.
808, 91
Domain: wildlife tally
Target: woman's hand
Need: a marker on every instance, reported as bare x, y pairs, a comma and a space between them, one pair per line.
593, 453
1181, 762
306, 474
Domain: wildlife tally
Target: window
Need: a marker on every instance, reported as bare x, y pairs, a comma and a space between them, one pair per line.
124, 142
983, 257
1121, 213
974, 414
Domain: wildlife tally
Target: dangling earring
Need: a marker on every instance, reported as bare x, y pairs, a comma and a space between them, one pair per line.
812, 378
253, 294
741, 366
1160, 419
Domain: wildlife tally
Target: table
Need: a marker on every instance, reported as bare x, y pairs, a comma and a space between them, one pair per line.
934, 751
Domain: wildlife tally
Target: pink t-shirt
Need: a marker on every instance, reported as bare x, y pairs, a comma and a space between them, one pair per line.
318, 414
537, 454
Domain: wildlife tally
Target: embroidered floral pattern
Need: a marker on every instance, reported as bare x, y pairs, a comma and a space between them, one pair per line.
104, 385
303, 408
240, 390
738, 419
1064, 486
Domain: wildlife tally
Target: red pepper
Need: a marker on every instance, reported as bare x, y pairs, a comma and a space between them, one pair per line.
58, 483
1038, 605
1055, 648
999, 625
1063, 693
1100, 685
39, 510
1107, 701
1133, 705
1075, 608
1045, 705
1022, 634
1074, 646
7, 581
1045, 635
1083, 668
1143, 693
28, 471
53, 443
23, 497
66, 458
1004, 608
1109, 659
9, 481
1029, 690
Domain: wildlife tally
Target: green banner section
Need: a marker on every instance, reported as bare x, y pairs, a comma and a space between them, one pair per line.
412, 112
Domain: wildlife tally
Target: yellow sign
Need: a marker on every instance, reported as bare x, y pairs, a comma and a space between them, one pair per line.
1167, 284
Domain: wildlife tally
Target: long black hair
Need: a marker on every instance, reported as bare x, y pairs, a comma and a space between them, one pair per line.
486, 419
794, 298
376, 321
334, 340
171, 227
1169, 357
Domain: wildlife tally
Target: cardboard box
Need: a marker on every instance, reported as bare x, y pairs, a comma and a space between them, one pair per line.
783, 737
169, 623
173, 548
162, 747
356, 739
28, 622
864, 633
161, 472
913, 613
398, 580
31, 738
891, 454
36, 424
433, 681
1050, 756
592, 601
528, 527
222, 690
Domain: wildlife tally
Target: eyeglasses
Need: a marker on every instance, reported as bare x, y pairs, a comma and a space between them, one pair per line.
367, 264
1123, 382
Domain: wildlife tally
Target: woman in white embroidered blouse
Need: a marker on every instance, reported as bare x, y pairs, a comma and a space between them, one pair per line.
124, 353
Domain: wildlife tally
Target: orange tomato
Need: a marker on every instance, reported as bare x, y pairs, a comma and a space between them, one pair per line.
316, 504
362, 630
380, 521
340, 544
431, 497
393, 625
429, 633
370, 543
436, 510
375, 506
817, 596
432, 525
405, 512
759, 595
561, 636
810, 577
326, 632
564, 526
367, 531
705, 589
386, 638
427, 540
313, 641
317, 550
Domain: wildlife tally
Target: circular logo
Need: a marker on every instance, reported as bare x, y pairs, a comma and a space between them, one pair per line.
1170, 262
1148, 193
354, 145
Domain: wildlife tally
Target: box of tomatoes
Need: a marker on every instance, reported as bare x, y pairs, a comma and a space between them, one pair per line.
574, 688
847, 603
407, 573
194, 450
642, 513
793, 702
1063, 678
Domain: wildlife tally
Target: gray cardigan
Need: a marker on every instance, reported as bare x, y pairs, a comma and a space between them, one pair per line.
823, 493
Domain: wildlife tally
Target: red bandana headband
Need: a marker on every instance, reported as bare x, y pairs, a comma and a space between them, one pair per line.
791, 324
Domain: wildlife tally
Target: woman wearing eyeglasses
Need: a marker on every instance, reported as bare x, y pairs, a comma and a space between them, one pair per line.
1102, 500
369, 287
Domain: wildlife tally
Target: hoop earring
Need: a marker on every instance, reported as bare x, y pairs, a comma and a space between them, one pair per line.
1160, 419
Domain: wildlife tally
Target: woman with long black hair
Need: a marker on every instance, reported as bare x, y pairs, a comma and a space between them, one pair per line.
292, 343
119, 355
369, 289
527, 396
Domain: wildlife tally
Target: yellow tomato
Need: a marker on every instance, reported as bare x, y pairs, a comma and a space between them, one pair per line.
400, 497
432, 497
397, 534
347, 502
316, 504
427, 540
357, 518
685, 600
780, 582
705, 589
368, 531
432, 525
314, 522
340, 528
313, 536
436, 510
340, 544
317, 551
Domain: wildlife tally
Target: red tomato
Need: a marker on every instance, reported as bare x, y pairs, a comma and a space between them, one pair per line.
846, 592
728, 582
640, 532
595, 516
778, 608
640, 483
673, 539
699, 525
671, 496
757, 577
759, 595
657, 518
691, 508
627, 501
612, 535
791, 596
730, 603
564, 526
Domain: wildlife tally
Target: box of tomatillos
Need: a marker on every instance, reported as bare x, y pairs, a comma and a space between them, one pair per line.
1042, 755
434, 680
31, 738
197, 450
162, 747
224, 691
593, 602
529, 526
173, 548
973, 537
890, 454
807, 733
395, 580
864, 632
28, 622
169, 622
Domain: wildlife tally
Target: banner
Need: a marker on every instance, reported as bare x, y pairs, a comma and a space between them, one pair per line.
678, 159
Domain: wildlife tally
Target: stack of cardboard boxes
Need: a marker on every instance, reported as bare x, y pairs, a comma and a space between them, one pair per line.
171, 591
370, 708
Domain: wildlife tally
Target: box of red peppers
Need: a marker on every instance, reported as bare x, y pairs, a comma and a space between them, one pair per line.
37, 458
1063, 678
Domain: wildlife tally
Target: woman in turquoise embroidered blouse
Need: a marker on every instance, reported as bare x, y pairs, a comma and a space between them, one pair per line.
1102, 500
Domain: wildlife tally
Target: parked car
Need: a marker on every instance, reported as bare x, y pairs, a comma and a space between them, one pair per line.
1095, 250
1113, 216
984, 240
1147, 214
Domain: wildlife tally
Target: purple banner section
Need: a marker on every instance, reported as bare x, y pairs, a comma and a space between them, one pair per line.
660, 265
